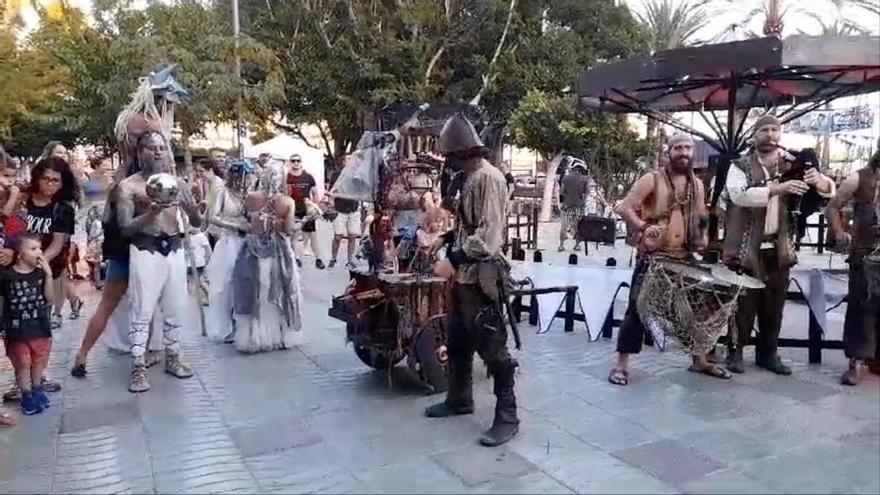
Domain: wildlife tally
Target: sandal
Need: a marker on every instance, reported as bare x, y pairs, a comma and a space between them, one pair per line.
78, 370
713, 370
76, 308
618, 377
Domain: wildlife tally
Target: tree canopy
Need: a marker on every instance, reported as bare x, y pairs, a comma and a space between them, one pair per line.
324, 62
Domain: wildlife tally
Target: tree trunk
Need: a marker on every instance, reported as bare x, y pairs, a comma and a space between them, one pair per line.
549, 188
487, 78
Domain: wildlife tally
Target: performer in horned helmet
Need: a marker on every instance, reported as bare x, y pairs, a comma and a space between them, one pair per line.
476, 323
139, 118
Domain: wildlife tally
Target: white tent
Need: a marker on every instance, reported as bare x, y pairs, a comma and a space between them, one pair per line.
282, 146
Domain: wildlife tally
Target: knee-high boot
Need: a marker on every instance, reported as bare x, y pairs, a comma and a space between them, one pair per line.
506, 423
459, 396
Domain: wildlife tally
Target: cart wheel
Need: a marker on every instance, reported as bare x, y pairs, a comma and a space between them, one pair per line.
430, 350
377, 361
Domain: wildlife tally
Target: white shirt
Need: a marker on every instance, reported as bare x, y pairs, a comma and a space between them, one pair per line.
739, 193
201, 249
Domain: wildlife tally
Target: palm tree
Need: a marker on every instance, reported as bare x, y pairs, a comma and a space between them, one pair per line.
672, 24
774, 13
839, 27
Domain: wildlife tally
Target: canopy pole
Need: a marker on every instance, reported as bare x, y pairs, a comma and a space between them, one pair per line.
730, 146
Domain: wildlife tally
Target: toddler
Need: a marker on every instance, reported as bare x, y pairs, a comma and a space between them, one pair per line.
26, 290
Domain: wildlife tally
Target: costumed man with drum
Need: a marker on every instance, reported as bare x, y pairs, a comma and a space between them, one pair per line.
861, 329
666, 212
759, 240
476, 267
149, 210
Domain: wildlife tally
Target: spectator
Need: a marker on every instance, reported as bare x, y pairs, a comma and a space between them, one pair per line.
302, 188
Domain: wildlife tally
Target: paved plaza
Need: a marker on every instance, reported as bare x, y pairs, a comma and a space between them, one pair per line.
314, 419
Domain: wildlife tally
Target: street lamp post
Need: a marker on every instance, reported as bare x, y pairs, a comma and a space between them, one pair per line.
236, 32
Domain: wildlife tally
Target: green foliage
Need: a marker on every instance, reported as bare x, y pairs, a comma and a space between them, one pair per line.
550, 125
84, 73
326, 62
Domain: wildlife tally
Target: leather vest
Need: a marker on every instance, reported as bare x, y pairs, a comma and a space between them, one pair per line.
657, 209
865, 233
744, 227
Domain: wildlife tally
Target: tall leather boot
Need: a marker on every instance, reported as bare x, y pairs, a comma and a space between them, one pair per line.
506, 424
459, 396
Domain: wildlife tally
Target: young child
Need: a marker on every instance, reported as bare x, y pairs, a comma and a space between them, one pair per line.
201, 254
26, 290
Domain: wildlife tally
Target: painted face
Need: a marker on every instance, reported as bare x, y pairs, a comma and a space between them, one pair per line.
767, 137
153, 152
681, 156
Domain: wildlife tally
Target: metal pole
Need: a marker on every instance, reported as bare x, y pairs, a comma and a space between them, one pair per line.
236, 32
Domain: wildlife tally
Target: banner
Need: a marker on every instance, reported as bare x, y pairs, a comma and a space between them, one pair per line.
822, 122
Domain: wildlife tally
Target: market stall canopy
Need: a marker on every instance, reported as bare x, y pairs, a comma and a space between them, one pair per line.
282, 146
763, 72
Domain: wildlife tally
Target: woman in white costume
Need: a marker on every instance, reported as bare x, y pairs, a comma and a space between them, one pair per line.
228, 215
267, 297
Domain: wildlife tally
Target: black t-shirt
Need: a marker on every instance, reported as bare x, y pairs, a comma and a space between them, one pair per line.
25, 309
299, 186
339, 204
45, 221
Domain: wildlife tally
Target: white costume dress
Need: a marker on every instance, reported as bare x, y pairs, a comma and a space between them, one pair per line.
218, 314
268, 300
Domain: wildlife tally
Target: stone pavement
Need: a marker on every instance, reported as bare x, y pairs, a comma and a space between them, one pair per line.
314, 419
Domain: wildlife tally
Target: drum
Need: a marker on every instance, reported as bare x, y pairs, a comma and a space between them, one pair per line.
596, 229
686, 303
420, 303
418, 299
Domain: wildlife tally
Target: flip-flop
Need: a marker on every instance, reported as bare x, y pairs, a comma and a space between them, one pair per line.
618, 377
713, 370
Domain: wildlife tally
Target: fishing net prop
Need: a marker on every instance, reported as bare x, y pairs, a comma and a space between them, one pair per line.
695, 312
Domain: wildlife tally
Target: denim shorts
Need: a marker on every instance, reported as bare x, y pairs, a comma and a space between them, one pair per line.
116, 270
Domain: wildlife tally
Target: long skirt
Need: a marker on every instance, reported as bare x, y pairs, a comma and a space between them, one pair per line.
219, 321
267, 330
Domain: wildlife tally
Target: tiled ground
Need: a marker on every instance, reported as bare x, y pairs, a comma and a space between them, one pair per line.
314, 419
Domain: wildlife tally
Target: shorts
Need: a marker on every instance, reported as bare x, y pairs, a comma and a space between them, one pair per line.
116, 270
347, 224
29, 354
